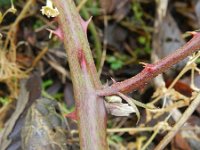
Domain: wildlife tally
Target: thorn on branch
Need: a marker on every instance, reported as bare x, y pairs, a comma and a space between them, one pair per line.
58, 32
72, 115
85, 24
148, 67
193, 33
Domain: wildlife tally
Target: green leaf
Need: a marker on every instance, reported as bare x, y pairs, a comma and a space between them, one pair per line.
142, 40
38, 24
4, 101
47, 83
116, 138
138, 13
111, 59
115, 63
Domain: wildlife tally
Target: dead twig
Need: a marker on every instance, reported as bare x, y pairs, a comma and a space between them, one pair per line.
180, 123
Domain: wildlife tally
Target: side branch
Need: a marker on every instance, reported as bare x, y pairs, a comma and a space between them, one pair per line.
152, 70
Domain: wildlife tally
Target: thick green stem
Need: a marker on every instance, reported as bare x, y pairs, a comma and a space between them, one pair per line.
91, 111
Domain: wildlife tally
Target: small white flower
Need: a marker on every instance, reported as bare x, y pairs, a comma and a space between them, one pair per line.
12, 9
49, 10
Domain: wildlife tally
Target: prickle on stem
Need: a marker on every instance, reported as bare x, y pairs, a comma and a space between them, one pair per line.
85, 24
148, 67
58, 32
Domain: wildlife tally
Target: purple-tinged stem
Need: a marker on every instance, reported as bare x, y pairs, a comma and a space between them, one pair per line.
91, 112
152, 70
